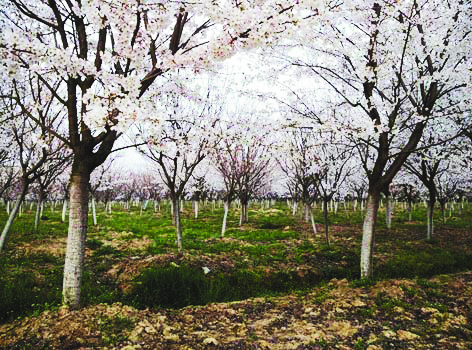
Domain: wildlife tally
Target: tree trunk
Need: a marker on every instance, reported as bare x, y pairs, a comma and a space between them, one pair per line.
172, 211
443, 212
75, 254
294, 208
409, 210
64, 210
225, 216
430, 212
178, 225
306, 211
94, 211
196, 209
388, 203
12, 215
367, 247
325, 216
244, 210
313, 222
38, 213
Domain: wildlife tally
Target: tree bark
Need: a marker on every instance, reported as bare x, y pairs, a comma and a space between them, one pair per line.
225, 216
388, 204
39, 210
430, 213
430, 223
78, 220
244, 210
64, 210
368, 234
196, 209
294, 208
313, 223
13, 214
94, 211
409, 210
306, 211
325, 215
178, 226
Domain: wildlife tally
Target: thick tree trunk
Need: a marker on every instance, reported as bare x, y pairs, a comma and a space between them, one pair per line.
178, 225
12, 215
78, 220
225, 216
368, 234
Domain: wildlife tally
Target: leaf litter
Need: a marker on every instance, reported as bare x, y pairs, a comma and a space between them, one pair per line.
342, 320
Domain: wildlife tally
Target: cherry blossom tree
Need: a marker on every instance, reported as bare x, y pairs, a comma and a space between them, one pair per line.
99, 59
406, 189
45, 179
296, 161
333, 166
98, 178
183, 142
39, 155
393, 70
226, 163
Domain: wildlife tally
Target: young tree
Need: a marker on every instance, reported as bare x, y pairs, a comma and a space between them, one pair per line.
298, 167
39, 156
45, 179
394, 70
183, 142
105, 56
226, 162
253, 164
334, 164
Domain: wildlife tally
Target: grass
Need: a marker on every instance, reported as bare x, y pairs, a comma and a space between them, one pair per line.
274, 253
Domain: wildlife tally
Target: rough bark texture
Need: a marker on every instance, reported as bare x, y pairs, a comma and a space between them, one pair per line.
368, 234
78, 219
